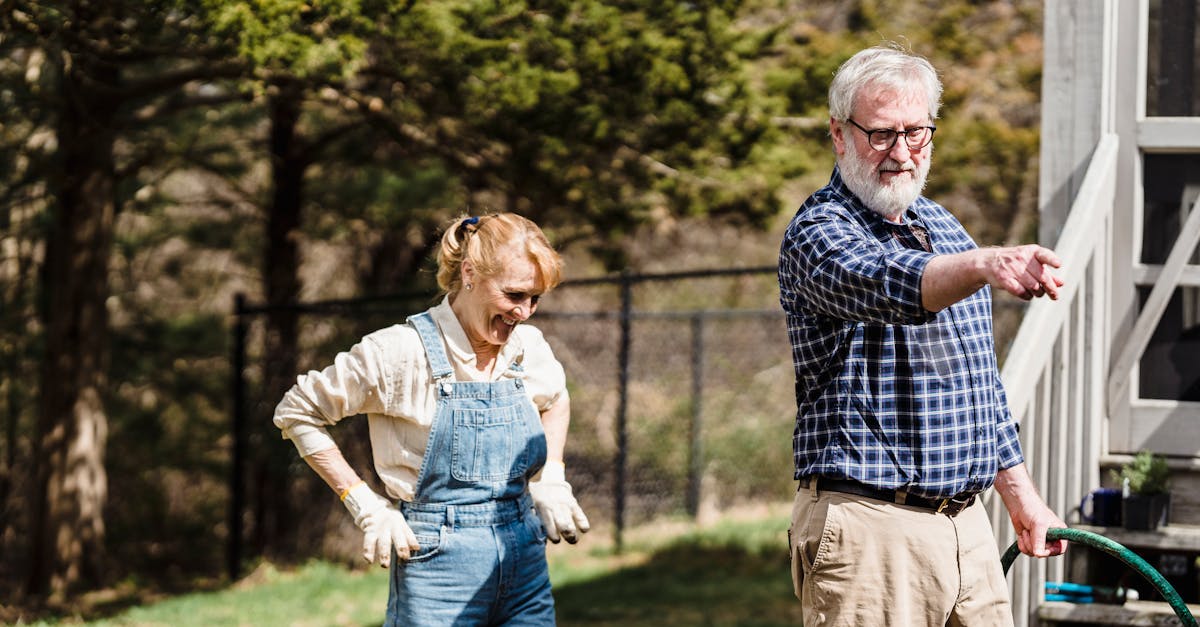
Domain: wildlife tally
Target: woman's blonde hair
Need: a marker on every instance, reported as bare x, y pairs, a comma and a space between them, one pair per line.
487, 241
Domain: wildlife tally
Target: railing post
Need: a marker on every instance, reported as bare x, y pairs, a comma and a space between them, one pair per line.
1042, 370
696, 447
237, 462
623, 403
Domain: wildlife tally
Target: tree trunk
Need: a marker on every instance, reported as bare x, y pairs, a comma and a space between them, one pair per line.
70, 484
274, 527
395, 263
20, 383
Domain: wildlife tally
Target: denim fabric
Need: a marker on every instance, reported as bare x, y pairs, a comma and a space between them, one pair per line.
483, 556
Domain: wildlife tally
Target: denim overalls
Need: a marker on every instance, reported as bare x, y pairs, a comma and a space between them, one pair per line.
482, 559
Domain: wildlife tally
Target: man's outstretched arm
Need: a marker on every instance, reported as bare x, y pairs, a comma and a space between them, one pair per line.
1023, 271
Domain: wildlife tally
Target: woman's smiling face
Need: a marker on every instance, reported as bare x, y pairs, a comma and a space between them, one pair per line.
495, 305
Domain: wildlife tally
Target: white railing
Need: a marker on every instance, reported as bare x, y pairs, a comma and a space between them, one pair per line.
1055, 372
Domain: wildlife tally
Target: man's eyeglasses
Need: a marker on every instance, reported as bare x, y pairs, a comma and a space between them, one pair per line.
884, 138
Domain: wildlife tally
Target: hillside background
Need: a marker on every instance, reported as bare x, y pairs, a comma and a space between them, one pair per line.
302, 152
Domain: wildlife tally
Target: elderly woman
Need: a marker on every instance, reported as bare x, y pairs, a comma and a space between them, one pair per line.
468, 414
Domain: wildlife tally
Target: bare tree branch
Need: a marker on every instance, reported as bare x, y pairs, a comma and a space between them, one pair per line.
657, 167
166, 81
181, 104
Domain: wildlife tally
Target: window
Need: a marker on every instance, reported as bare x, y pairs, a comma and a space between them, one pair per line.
1170, 367
1172, 73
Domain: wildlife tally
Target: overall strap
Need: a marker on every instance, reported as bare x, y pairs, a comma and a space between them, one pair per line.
435, 350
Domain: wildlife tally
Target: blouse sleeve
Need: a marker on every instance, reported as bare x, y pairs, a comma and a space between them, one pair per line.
544, 374
357, 382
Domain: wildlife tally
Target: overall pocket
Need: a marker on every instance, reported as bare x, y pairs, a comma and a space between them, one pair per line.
489, 444
430, 536
533, 523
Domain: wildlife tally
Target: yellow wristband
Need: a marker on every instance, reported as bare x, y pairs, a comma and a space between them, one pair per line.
346, 492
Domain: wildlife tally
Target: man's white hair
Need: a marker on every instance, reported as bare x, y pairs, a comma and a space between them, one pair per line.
883, 67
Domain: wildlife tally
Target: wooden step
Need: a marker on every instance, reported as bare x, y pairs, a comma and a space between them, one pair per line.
1140, 613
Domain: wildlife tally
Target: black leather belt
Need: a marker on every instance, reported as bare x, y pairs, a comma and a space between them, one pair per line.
949, 506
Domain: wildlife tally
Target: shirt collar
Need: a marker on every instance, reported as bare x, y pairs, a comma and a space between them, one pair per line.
460, 347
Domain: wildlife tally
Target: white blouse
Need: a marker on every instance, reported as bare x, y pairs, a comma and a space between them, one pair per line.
387, 377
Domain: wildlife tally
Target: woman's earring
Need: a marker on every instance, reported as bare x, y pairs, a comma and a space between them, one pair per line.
469, 286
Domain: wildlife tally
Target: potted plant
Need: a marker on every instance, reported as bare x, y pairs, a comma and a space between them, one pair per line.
1146, 495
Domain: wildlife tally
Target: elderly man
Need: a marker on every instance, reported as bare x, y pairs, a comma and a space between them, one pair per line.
902, 420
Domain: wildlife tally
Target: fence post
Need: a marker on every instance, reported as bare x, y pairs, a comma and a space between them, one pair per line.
696, 448
237, 462
623, 402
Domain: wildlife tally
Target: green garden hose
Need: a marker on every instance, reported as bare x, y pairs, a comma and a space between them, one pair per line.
1118, 551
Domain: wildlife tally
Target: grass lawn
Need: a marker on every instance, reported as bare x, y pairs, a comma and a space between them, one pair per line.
731, 571
317, 594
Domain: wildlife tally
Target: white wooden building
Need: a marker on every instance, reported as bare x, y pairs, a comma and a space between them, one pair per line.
1113, 367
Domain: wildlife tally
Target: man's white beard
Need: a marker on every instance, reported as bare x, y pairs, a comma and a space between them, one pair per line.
888, 200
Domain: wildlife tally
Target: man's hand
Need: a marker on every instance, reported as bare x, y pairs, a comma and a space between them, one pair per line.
1030, 516
556, 505
1023, 271
1031, 525
383, 526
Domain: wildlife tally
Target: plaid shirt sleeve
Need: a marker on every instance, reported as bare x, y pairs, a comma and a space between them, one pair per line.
834, 267
1008, 445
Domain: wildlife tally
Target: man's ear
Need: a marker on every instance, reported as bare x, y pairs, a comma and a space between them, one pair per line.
837, 133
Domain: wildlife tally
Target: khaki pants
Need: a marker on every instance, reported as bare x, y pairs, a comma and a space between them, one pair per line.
858, 561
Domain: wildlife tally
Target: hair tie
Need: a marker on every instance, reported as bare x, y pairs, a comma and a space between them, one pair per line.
462, 231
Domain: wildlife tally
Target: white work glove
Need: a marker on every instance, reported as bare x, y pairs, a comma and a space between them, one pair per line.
557, 507
383, 526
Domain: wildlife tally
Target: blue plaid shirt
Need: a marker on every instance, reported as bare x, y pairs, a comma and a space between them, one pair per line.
887, 393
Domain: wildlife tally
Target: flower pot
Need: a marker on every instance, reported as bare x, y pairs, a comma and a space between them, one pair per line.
1145, 512
1102, 507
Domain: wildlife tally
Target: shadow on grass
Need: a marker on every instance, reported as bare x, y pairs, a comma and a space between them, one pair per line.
687, 583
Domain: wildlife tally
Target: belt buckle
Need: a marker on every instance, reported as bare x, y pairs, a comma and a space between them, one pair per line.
952, 506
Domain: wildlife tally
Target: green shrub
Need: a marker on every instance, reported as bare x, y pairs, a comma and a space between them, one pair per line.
1146, 474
